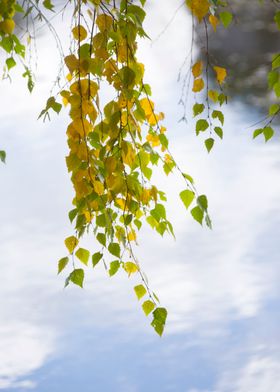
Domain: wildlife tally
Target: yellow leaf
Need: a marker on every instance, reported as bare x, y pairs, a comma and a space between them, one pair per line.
130, 268
198, 85
98, 187
82, 126
153, 139
79, 33
213, 95
71, 243
72, 62
104, 22
197, 69
111, 164
84, 87
88, 216
7, 26
145, 196
221, 74
131, 236
147, 105
168, 158
214, 21
199, 8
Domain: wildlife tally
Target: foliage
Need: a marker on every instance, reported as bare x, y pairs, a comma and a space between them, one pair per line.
113, 147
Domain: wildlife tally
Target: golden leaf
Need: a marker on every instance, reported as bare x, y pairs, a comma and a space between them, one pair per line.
79, 33
214, 21
199, 8
198, 85
7, 26
104, 22
98, 187
221, 74
197, 69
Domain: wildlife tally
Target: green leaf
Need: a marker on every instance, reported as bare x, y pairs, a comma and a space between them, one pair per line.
114, 249
10, 62
83, 255
72, 214
2, 156
101, 220
77, 277
276, 89
222, 98
101, 238
273, 109
114, 267
159, 320
163, 140
276, 61
226, 18
257, 132
218, 114
197, 214
277, 19
96, 257
71, 243
158, 212
48, 5
272, 78
209, 143
187, 197
219, 132
201, 126
198, 108
62, 264
148, 306
137, 223
188, 177
140, 291
202, 202
268, 133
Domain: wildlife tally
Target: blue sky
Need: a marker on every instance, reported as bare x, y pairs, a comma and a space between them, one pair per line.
220, 287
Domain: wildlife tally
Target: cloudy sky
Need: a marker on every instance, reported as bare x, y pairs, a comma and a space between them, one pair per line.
220, 287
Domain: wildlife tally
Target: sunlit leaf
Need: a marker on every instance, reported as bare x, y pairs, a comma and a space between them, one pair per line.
197, 214
83, 255
148, 306
268, 133
130, 268
71, 243
140, 291
187, 197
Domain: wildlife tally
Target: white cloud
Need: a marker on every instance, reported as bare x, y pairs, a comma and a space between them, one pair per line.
24, 348
260, 374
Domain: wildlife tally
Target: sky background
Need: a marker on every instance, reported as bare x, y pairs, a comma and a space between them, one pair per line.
221, 287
